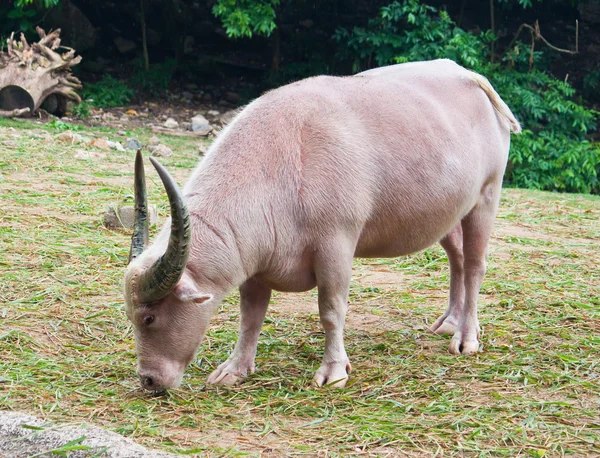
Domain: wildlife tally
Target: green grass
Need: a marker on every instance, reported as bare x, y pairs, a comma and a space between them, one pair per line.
66, 347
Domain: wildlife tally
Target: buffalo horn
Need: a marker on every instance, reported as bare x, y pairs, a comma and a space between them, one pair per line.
139, 239
161, 277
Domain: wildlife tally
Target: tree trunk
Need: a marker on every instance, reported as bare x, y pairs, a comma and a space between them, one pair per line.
31, 73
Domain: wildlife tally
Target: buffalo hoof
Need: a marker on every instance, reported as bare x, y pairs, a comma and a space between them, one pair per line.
444, 325
464, 343
333, 374
229, 373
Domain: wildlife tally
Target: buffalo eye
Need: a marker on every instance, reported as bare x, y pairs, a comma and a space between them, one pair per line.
148, 320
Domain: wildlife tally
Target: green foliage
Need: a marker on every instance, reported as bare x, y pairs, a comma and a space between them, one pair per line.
243, 18
22, 15
550, 160
156, 78
591, 83
108, 92
552, 153
82, 110
60, 125
41, 3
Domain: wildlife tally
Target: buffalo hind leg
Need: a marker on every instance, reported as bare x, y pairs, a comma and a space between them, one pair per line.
477, 228
333, 271
453, 245
254, 300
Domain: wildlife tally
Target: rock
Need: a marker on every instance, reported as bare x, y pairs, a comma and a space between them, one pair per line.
124, 118
154, 140
77, 31
94, 66
100, 143
124, 46
133, 143
116, 145
207, 98
69, 137
82, 154
188, 45
203, 149
227, 117
108, 117
124, 216
213, 113
187, 96
589, 11
200, 125
152, 37
232, 97
170, 123
18, 441
161, 151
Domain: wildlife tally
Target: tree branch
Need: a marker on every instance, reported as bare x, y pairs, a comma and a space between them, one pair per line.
13, 113
537, 35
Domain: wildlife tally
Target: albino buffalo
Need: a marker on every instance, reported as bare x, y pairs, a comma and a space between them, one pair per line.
307, 177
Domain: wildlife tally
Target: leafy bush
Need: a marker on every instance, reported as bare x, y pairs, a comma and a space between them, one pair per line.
108, 92
22, 15
243, 18
60, 125
156, 78
552, 153
82, 110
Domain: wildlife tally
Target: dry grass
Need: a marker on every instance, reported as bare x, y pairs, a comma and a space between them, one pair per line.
67, 352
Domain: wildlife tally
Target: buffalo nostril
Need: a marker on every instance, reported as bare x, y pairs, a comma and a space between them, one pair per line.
148, 382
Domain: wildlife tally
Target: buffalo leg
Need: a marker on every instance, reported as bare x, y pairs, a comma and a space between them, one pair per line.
254, 300
477, 228
333, 270
453, 245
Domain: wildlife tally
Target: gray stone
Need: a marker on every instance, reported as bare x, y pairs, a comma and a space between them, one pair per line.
188, 45
124, 46
232, 97
77, 31
200, 125
203, 149
170, 123
227, 117
589, 11
69, 137
116, 145
19, 440
133, 143
82, 154
154, 140
161, 151
123, 216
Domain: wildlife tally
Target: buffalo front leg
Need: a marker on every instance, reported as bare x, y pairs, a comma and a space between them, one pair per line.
453, 245
333, 270
254, 300
477, 228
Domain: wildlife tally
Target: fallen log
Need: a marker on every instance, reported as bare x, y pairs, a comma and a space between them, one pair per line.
30, 73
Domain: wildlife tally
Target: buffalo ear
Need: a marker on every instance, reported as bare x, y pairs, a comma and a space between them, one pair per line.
199, 298
186, 290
